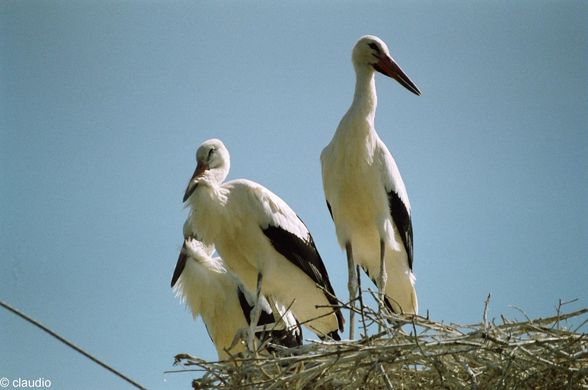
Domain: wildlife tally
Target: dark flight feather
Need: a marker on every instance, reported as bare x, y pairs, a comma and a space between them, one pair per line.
304, 255
403, 222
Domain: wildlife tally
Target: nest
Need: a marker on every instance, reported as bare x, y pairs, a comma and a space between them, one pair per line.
418, 353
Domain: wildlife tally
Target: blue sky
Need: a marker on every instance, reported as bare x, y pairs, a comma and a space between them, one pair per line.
102, 105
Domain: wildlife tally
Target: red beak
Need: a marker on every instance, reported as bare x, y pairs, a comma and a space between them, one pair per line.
192, 184
387, 66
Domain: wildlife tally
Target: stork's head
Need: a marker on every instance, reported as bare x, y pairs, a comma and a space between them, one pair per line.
370, 52
212, 165
197, 249
193, 249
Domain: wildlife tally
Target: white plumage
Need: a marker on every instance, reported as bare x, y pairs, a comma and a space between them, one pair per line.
261, 240
214, 293
363, 187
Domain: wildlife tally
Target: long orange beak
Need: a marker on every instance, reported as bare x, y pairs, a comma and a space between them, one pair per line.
193, 183
387, 66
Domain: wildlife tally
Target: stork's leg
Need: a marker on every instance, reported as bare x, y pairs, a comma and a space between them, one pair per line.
352, 286
383, 276
277, 313
254, 315
360, 299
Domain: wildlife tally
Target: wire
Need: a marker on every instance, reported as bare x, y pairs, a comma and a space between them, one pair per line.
69, 343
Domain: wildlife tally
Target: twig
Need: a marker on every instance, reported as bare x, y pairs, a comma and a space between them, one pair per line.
485, 314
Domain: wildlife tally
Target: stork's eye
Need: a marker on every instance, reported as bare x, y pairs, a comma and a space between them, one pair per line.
210, 152
374, 46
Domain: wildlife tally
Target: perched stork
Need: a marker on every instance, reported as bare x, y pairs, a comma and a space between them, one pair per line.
211, 291
262, 241
365, 194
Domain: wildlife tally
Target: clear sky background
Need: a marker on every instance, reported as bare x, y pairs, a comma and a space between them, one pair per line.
103, 104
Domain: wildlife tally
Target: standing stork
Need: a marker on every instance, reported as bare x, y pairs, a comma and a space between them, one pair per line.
365, 194
262, 241
209, 290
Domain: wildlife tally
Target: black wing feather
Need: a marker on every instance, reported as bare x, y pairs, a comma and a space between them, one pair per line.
304, 255
403, 222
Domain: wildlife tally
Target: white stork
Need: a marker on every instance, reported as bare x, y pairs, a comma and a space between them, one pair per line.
365, 194
209, 290
262, 241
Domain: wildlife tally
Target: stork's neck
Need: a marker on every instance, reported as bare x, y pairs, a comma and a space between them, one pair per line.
210, 192
365, 99
357, 125
207, 202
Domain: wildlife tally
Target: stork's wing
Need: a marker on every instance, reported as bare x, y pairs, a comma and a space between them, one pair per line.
403, 222
291, 238
301, 252
397, 197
